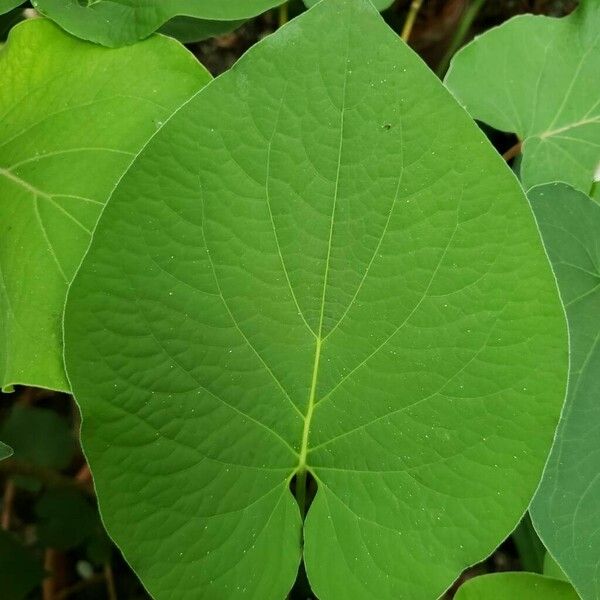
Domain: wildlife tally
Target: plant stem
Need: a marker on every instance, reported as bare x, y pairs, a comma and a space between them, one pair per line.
300, 491
283, 14
512, 152
410, 19
7, 504
459, 35
111, 589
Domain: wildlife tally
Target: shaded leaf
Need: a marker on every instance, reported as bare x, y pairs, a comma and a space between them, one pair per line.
188, 29
66, 519
20, 571
73, 116
39, 436
530, 549
532, 76
7, 5
378, 4
566, 508
306, 271
120, 22
515, 586
5, 451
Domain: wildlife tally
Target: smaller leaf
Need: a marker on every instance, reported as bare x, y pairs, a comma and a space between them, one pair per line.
39, 436
7, 5
5, 451
20, 572
532, 76
515, 586
66, 519
121, 22
378, 4
188, 30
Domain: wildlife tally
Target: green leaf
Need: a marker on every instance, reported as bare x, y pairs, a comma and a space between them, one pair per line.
120, 22
515, 586
40, 436
5, 451
188, 29
530, 549
378, 4
20, 571
8, 5
552, 569
306, 270
532, 75
66, 519
566, 509
74, 115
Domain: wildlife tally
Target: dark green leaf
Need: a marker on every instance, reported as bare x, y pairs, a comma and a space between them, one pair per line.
66, 519
5, 451
8, 5
566, 509
20, 572
39, 436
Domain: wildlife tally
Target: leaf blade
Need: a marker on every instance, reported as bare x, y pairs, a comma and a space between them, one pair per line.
269, 264
566, 504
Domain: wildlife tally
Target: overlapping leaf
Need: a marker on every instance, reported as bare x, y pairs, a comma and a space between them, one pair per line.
73, 116
534, 76
6, 5
379, 4
318, 265
566, 509
119, 22
515, 586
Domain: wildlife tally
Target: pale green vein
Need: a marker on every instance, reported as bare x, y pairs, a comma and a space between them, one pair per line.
236, 324
268, 198
301, 470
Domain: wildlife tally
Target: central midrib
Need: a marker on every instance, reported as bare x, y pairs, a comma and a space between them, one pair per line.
302, 466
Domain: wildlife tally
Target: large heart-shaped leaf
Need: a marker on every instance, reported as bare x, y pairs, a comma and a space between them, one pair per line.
515, 586
532, 75
119, 22
73, 117
318, 266
566, 509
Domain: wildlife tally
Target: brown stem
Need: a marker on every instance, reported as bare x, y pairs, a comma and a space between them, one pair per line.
111, 589
54, 564
512, 152
84, 474
13, 466
7, 504
79, 586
